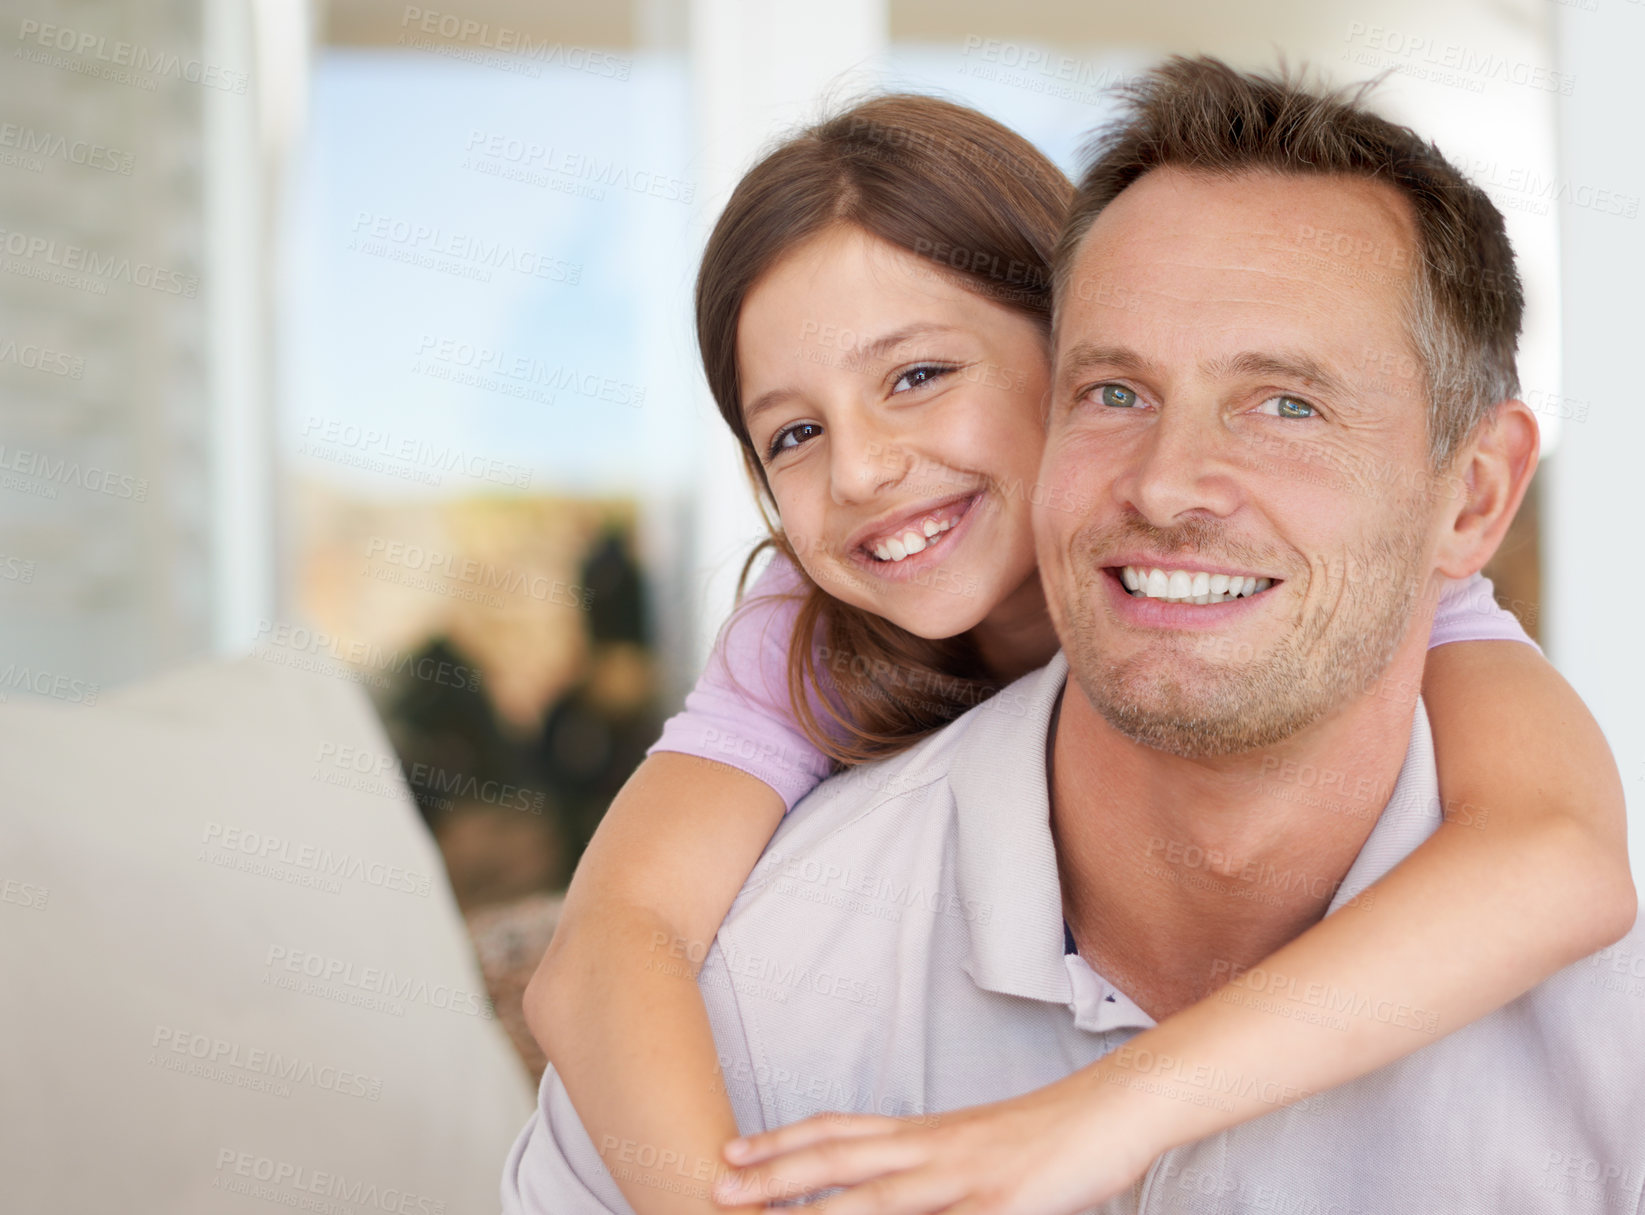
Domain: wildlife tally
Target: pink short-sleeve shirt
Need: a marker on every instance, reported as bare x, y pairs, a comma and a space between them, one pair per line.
739, 713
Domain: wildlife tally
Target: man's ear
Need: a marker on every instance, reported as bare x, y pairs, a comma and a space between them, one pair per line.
1487, 481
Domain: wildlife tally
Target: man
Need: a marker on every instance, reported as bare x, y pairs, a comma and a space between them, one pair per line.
982, 915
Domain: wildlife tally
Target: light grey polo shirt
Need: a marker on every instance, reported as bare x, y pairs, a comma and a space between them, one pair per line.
899, 949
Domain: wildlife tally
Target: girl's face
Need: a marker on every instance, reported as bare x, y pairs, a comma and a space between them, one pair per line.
900, 419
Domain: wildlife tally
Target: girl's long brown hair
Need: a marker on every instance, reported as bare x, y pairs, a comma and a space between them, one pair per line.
982, 204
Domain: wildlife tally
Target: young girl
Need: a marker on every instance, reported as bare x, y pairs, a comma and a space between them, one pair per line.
873, 312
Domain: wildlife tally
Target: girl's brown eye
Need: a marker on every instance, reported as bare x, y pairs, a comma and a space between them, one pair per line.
915, 376
792, 436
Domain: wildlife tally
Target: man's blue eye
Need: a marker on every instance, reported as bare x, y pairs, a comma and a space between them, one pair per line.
1287, 407
1119, 398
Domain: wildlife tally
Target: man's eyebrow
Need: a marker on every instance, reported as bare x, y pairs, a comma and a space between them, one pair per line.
1087, 356
1083, 357
1287, 366
863, 354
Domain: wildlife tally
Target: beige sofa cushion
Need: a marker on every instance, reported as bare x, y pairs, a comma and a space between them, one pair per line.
227, 976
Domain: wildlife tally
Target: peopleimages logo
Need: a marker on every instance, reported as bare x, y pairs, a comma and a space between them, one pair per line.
403, 455
287, 641
214, 1058
79, 259
34, 357
509, 371
314, 858
48, 683
385, 775
371, 980
312, 1189
536, 163
432, 247
87, 45
482, 35
48, 144
60, 471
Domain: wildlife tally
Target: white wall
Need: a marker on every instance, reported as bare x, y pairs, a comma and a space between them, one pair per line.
758, 69
1594, 583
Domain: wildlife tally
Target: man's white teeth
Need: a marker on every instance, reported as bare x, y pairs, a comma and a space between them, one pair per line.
1190, 586
895, 548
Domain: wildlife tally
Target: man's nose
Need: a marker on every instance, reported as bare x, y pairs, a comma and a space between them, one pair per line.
865, 459
1180, 466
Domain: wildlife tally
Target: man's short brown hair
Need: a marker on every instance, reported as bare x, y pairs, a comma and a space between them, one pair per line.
1202, 116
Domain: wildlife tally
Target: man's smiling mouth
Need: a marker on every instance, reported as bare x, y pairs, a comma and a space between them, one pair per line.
1190, 586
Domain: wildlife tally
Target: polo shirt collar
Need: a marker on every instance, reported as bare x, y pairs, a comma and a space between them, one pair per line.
1410, 817
1006, 862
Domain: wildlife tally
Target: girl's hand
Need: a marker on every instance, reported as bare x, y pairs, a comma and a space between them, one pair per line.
1054, 1151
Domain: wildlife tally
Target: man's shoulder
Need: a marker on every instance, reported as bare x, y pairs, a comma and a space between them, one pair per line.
1600, 999
924, 768
860, 809
853, 799
1570, 1046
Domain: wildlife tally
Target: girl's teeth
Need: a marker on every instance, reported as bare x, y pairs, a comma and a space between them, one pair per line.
1190, 586
895, 548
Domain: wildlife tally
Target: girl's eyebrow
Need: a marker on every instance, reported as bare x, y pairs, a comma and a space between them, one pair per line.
882, 346
877, 349
765, 401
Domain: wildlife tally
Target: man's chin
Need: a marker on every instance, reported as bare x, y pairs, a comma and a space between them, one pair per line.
1201, 712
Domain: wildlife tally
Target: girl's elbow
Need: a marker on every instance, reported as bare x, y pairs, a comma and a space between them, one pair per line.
1617, 910
543, 993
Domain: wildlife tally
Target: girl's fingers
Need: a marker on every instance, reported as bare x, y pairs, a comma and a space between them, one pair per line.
916, 1192
754, 1148
972, 1204
831, 1162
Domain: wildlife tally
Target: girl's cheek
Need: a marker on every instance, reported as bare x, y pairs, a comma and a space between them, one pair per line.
802, 514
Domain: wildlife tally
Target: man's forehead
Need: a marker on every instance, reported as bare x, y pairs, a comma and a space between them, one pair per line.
1262, 248
1173, 203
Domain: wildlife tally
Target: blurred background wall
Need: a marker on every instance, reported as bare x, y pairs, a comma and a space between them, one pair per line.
356, 335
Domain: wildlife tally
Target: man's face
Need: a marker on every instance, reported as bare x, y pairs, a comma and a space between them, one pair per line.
1247, 415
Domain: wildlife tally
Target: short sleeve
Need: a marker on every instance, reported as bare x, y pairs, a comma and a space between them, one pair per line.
739, 713
1468, 611
554, 1167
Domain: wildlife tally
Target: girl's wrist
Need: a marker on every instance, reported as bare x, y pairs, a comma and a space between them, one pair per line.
1139, 1112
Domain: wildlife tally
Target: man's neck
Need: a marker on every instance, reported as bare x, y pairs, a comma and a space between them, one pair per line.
1176, 873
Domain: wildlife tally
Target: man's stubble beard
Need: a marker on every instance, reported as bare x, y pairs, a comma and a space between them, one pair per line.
1175, 700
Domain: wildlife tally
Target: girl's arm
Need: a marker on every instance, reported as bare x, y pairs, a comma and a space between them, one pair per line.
614, 1003
1527, 874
